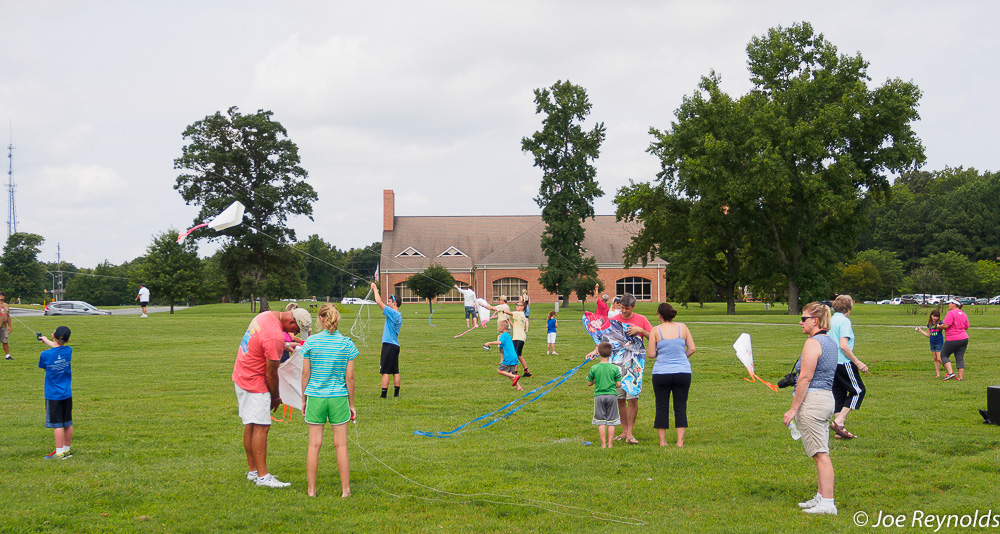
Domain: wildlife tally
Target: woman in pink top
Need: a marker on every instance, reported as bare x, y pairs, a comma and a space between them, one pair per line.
955, 339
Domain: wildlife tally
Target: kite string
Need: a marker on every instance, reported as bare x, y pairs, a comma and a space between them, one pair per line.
547, 506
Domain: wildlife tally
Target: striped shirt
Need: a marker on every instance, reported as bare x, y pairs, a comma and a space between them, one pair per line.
328, 355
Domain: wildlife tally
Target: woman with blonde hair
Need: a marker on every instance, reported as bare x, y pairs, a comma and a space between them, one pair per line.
328, 394
812, 402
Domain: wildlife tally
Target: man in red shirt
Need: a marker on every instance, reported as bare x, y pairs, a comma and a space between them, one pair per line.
255, 375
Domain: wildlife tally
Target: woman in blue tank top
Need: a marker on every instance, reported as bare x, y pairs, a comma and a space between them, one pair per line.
671, 372
812, 402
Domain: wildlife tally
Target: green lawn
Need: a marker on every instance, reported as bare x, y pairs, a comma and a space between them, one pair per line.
157, 445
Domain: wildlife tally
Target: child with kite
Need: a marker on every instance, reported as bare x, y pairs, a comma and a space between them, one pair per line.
389, 363
936, 336
328, 394
58, 391
812, 402
508, 363
606, 378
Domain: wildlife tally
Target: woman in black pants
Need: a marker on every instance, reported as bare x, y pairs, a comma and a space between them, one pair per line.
671, 372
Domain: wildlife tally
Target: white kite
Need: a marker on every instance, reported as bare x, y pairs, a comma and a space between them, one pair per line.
230, 217
744, 351
484, 312
290, 385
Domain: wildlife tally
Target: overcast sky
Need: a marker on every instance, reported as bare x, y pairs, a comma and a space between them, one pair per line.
430, 99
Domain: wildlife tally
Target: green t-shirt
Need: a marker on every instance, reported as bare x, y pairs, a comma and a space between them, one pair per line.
604, 376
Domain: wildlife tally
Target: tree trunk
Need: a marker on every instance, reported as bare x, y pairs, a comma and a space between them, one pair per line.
793, 297
172, 305
264, 304
430, 307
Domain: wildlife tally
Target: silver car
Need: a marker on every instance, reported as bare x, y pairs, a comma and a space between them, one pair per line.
73, 307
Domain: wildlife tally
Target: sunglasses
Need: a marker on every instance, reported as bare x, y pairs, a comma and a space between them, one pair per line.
804, 317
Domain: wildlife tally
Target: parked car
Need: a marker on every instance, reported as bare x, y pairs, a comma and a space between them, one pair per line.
869, 302
353, 300
982, 301
965, 301
896, 301
73, 307
995, 300
907, 299
886, 301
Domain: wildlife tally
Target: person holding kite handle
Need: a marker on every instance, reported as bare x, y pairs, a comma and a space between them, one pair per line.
328, 394
673, 347
255, 377
812, 402
389, 363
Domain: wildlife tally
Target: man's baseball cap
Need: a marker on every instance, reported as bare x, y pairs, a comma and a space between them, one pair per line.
62, 334
303, 319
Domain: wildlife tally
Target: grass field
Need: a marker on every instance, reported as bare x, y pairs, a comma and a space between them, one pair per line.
157, 444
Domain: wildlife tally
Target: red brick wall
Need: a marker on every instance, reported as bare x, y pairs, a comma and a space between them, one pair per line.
388, 210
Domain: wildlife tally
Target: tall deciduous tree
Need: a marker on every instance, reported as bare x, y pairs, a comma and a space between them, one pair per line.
694, 215
23, 274
171, 270
431, 283
824, 143
323, 266
248, 158
564, 152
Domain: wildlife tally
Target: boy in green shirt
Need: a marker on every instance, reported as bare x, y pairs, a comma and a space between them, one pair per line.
606, 377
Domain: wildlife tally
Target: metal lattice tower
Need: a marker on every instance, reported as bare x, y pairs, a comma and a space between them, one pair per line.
11, 212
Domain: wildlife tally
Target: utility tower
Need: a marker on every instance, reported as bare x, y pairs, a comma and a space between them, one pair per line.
11, 212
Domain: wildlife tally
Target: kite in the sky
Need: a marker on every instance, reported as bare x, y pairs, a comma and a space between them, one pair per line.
230, 217
626, 351
744, 352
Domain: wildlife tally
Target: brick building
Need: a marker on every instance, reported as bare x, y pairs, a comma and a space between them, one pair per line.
500, 255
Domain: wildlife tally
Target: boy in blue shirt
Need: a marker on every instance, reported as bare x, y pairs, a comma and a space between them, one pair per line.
508, 365
58, 391
606, 378
390, 341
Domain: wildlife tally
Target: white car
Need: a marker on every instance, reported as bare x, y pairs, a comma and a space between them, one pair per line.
352, 300
896, 301
995, 300
886, 301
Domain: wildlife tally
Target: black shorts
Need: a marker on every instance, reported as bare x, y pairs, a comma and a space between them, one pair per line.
58, 413
390, 359
518, 347
143, 303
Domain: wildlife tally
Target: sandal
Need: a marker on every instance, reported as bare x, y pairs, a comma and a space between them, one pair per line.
842, 432
632, 441
619, 437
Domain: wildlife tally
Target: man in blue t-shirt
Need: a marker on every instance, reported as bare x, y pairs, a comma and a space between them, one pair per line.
390, 341
58, 391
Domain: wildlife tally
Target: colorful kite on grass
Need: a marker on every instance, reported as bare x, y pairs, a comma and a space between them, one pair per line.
744, 351
230, 217
626, 351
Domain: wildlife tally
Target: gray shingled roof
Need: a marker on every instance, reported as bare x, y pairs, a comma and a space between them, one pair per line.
495, 241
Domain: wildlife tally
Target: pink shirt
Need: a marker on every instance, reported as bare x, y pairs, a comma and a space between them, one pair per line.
636, 320
957, 323
264, 340
602, 308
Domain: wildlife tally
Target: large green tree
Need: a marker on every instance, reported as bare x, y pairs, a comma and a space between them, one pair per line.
248, 158
693, 214
323, 266
23, 275
564, 152
823, 145
171, 270
431, 283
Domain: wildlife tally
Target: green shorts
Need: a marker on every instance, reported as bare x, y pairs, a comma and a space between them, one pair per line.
320, 410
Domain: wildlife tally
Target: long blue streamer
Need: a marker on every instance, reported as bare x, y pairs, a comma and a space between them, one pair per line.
459, 429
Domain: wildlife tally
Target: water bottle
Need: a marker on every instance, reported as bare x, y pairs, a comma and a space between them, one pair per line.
794, 430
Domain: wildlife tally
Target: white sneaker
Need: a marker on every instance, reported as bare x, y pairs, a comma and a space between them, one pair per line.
825, 509
811, 503
9, 357
252, 475
144, 315
269, 481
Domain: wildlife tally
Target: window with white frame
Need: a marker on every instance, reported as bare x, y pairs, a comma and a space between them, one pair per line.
404, 293
641, 288
511, 287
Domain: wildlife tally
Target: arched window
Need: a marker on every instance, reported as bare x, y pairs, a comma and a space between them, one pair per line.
453, 295
640, 287
405, 294
511, 287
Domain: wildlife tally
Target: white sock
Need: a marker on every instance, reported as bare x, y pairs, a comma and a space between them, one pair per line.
826, 501
60, 450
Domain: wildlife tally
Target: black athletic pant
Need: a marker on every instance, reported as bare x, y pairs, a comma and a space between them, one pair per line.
848, 389
676, 384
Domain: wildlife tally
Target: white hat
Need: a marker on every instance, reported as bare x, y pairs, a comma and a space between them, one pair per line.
954, 301
304, 320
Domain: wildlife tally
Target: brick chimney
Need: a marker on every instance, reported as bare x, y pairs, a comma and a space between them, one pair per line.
388, 209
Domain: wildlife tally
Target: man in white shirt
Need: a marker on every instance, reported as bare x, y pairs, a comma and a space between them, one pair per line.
143, 298
470, 306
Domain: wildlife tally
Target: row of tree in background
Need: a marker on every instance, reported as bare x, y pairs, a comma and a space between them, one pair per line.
174, 273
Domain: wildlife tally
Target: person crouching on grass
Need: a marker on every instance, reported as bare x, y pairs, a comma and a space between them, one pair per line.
812, 402
508, 365
58, 391
328, 394
606, 378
